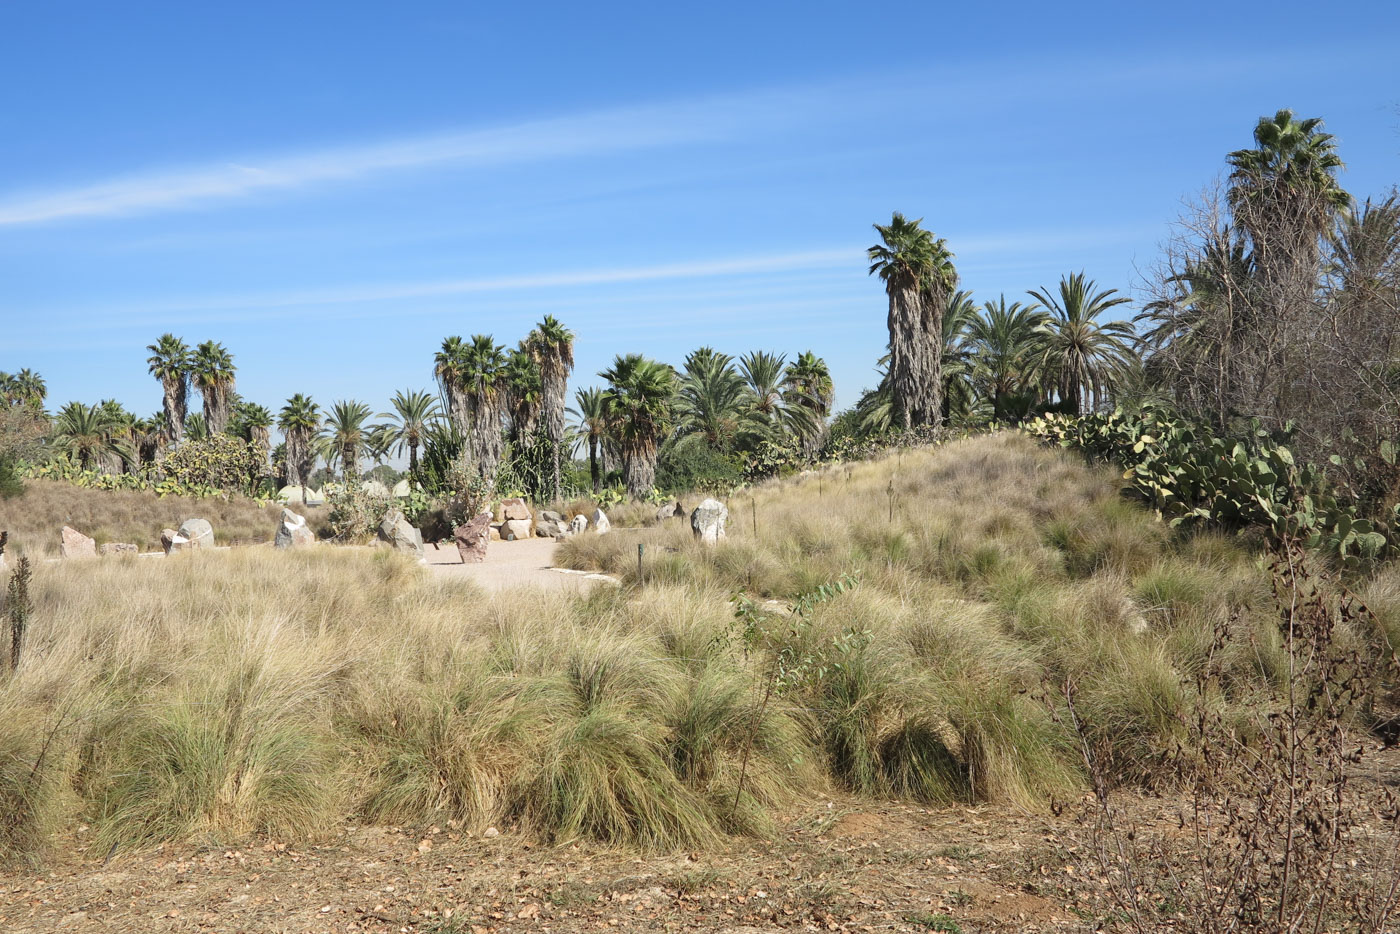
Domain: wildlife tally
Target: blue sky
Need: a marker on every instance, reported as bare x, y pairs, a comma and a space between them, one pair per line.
331, 189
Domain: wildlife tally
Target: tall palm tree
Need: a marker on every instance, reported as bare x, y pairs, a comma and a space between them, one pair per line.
713, 402
212, 372
763, 372
552, 346
414, 411
447, 370
300, 424
524, 393
1008, 339
638, 402
808, 393
1083, 356
253, 423
918, 273
1284, 195
347, 436
170, 363
88, 434
592, 427
474, 379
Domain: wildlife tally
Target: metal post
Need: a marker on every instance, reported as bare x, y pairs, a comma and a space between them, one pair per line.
640, 548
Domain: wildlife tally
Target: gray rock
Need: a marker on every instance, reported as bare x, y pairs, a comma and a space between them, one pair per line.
293, 532
75, 544
578, 524
118, 548
514, 530
395, 530
550, 524
172, 541
199, 532
515, 509
672, 510
601, 525
708, 521
472, 538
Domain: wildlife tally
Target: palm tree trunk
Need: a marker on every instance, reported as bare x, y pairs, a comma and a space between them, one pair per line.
413, 458
593, 471
915, 356
639, 469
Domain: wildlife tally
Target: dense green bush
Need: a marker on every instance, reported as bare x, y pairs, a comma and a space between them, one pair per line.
690, 464
10, 482
222, 462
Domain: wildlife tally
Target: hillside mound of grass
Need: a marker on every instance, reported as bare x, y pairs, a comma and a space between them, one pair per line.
217, 695
34, 518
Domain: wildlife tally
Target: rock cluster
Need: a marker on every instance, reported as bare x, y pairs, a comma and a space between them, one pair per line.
672, 510
550, 524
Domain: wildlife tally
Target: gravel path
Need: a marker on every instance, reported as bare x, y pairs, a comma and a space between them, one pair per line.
513, 564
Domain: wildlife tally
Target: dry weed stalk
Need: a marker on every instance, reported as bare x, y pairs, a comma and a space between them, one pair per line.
1279, 836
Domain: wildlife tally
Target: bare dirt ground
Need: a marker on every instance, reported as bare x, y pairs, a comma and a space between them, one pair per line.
835, 865
509, 565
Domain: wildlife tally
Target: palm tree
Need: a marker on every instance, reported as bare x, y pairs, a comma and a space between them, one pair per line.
88, 435
253, 423
196, 428
638, 403
170, 363
1198, 334
212, 372
959, 395
523, 394
1284, 195
592, 426
1083, 356
300, 424
447, 370
918, 273
763, 372
808, 393
1008, 340
25, 388
552, 346
414, 411
347, 435
473, 376
713, 402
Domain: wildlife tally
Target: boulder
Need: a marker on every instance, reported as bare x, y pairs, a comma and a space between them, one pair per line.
472, 537
495, 531
395, 530
550, 524
514, 530
601, 525
708, 521
293, 532
172, 541
578, 524
672, 510
118, 548
75, 544
199, 532
515, 509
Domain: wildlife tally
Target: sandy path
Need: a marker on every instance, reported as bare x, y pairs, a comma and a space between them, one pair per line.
513, 564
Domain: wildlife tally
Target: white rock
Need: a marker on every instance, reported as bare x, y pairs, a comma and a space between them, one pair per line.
708, 521
601, 525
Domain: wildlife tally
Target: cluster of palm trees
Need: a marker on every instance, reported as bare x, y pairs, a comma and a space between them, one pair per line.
732, 407
496, 395
951, 359
25, 388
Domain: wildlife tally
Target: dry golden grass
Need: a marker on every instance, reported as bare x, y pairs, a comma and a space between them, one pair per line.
216, 695
35, 517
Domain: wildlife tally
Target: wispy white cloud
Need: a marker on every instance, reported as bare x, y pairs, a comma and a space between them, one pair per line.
588, 134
